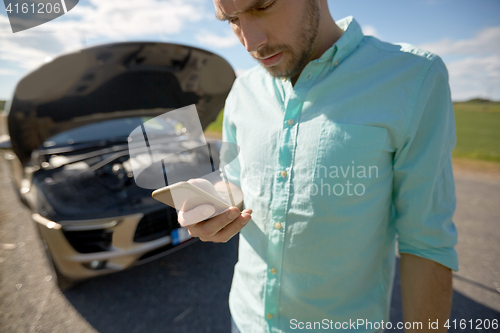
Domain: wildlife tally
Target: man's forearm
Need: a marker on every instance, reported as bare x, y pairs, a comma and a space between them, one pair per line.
426, 289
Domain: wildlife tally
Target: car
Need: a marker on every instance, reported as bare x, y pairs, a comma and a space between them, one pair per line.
69, 122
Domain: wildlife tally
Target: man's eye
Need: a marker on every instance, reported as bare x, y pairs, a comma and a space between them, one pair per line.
232, 20
265, 7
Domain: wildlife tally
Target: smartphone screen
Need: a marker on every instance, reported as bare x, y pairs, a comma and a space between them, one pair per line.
185, 196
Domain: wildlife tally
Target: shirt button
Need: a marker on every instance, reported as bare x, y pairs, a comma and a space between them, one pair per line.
283, 173
274, 270
335, 63
283, 79
290, 122
308, 76
269, 316
277, 225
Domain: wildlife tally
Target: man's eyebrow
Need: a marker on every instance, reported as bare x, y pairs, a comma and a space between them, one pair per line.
221, 16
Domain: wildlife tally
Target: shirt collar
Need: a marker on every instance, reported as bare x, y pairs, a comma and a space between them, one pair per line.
349, 40
344, 46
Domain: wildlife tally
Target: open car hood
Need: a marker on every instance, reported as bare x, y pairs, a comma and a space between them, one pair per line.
115, 81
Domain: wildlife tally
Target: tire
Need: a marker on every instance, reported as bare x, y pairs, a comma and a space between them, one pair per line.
63, 282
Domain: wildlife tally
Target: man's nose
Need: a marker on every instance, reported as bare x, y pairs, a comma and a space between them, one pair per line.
253, 36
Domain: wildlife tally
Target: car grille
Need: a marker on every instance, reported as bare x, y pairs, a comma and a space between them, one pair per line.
89, 241
156, 225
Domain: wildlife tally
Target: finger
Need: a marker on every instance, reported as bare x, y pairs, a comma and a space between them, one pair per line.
195, 215
228, 232
210, 227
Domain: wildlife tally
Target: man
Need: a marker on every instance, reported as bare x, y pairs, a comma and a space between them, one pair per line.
345, 143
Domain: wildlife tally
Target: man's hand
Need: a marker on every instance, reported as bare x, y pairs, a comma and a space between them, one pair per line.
221, 228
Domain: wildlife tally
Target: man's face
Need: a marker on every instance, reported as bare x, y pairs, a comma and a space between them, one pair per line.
280, 34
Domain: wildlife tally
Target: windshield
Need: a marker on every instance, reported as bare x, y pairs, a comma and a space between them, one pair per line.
112, 131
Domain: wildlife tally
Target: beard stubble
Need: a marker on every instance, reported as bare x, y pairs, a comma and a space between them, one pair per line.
304, 40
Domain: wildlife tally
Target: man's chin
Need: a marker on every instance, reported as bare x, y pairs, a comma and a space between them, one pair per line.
282, 69
276, 71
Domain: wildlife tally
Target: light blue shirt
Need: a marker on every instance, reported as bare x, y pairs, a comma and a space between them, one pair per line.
356, 153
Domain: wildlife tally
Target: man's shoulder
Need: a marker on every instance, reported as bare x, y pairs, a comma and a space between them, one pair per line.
404, 57
404, 50
247, 86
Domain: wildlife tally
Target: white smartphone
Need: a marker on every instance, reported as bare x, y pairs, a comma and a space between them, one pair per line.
187, 196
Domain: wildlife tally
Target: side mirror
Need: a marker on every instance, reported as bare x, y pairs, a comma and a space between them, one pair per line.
5, 142
4, 137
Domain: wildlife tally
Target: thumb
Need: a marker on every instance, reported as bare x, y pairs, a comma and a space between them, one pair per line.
195, 215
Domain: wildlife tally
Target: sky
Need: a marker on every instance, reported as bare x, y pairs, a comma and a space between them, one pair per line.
464, 33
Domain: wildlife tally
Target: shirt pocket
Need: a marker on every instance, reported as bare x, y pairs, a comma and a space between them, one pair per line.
347, 154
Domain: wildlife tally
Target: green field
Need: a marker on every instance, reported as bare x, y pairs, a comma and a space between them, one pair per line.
216, 125
478, 130
477, 125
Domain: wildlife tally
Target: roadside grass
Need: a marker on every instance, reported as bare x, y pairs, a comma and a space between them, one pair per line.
478, 130
216, 125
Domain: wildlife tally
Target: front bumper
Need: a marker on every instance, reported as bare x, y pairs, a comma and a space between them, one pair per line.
116, 243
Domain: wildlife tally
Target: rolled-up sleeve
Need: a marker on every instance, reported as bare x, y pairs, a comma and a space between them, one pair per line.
424, 189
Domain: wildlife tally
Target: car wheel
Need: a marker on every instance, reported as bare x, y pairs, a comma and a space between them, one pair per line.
63, 282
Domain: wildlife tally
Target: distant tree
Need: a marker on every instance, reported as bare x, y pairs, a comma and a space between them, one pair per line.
478, 100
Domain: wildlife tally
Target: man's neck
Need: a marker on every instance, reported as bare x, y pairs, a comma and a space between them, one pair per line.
328, 34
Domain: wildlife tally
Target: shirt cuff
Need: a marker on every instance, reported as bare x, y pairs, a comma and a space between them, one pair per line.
446, 256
